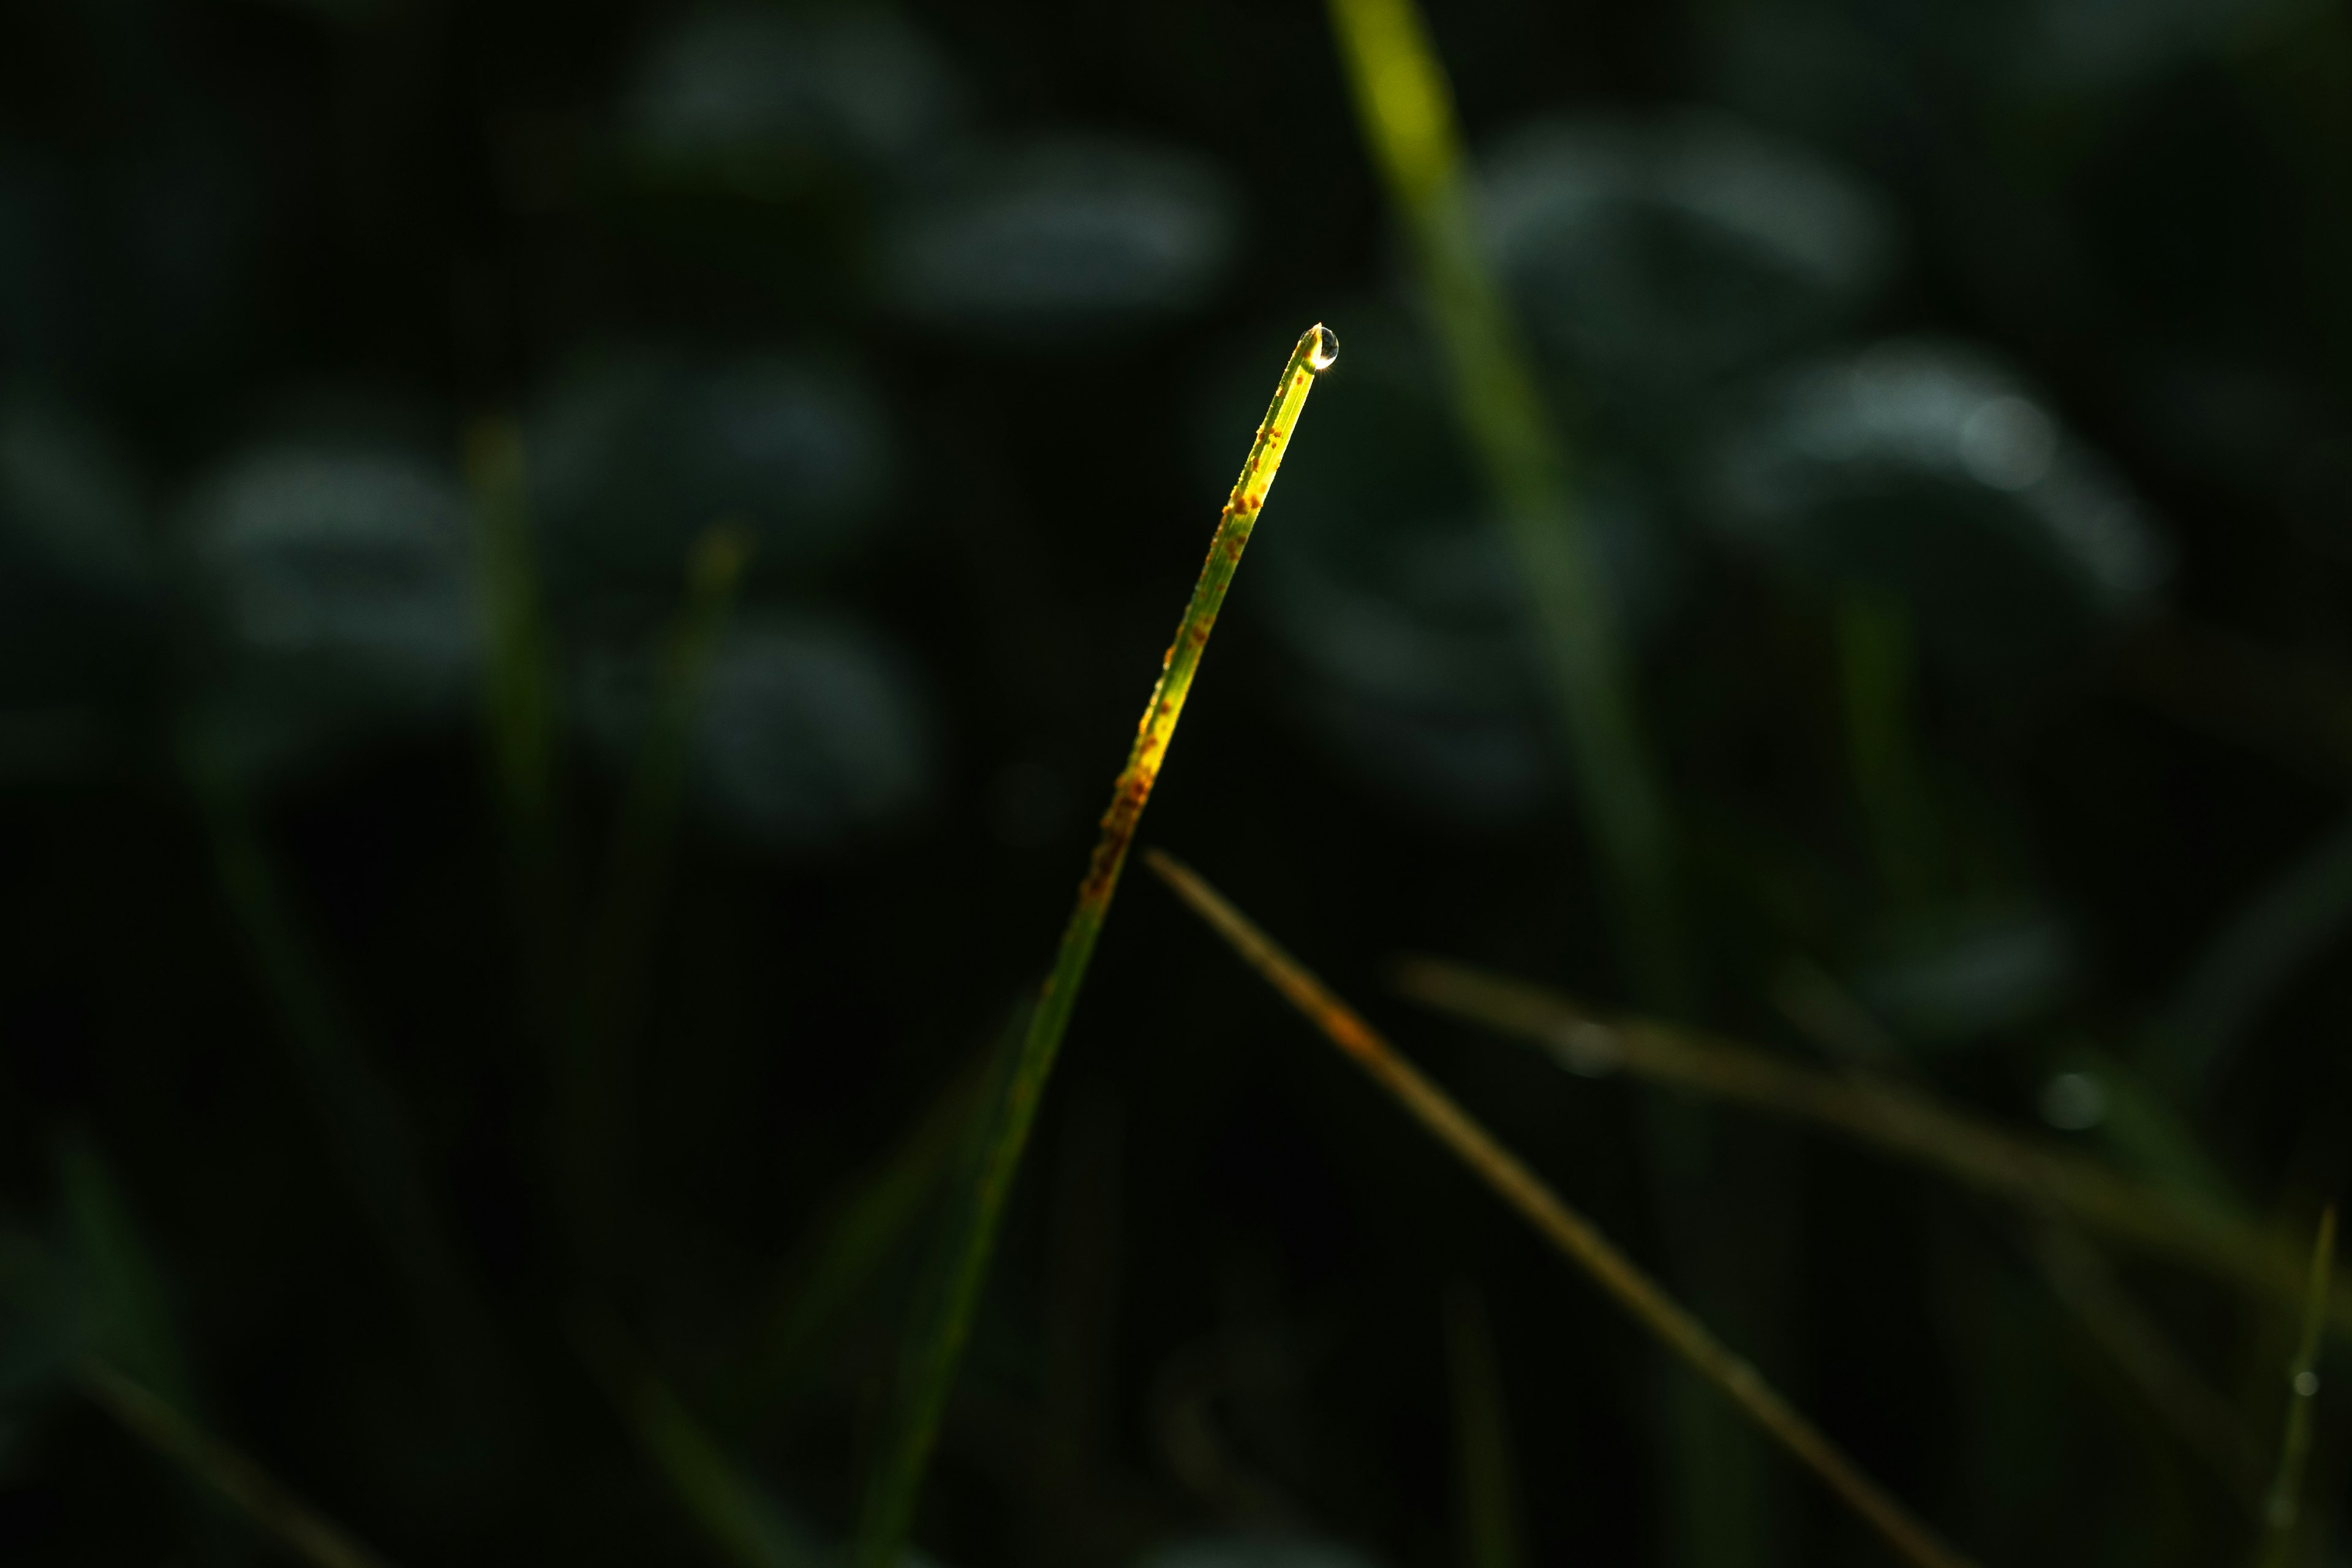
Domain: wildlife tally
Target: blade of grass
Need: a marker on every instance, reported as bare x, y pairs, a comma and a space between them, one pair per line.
518, 710
621, 934
520, 735
738, 1515
117, 1311
124, 1312
2283, 1504
1895, 1121
366, 1132
2078, 1275
851, 1245
1482, 1436
2288, 923
1874, 658
1404, 108
2200, 1418
1570, 1231
272, 1506
891, 1499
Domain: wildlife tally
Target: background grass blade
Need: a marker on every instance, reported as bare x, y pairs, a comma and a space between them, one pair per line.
733, 1511
2284, 926
1896, 1121
1719, 1510
2144, 1355
2283, 1504
1404, 107
898, 1479
620, 939
1484, 1467
518, 699
852, 1244
122, 1312
1877, 677
520, 721
271, 1505
360, 1117
1566, 1229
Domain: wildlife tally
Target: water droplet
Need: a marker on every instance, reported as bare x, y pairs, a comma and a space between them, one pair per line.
1326, 353
2073, 1100
2306, 1384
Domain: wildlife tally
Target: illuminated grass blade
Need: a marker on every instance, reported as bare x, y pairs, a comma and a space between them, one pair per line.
1405, 109
1482, 1436
1898, 1121
260, 1496
2283, 1504
637, 877
890, 1502
1566, 1229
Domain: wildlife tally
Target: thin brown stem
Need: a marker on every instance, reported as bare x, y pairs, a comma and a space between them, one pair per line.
269, 1502
1570, 1231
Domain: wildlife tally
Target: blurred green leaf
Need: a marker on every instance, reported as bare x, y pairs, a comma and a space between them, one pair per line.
744, 97
635, 452
811, 731
1061, 238
1659, 256
1926, 471
1961, 972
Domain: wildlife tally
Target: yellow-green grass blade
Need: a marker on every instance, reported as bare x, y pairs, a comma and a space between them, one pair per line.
1404, 107
1569, 1232
620, 939
1897, 1121
1485, 1472
897, 1478
2283, 1506
271, 1506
